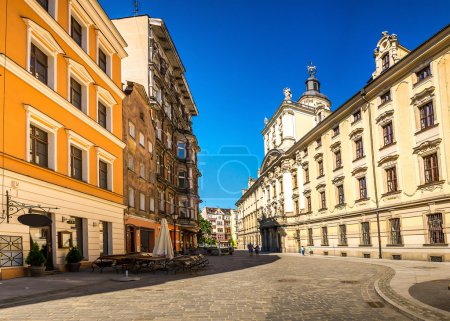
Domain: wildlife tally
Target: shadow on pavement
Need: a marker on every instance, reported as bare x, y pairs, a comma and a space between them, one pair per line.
23, 291
434, 293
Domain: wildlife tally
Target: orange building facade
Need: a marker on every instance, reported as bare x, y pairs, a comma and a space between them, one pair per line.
61, 129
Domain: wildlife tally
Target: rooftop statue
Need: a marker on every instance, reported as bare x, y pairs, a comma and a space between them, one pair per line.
287, 93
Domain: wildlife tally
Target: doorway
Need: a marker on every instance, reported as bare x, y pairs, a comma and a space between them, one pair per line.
43, 237
147, 240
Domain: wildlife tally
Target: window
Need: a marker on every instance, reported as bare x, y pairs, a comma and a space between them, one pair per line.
131, 162
324, 236
336, 131
362, 188
305, 152
431, 170
76, 31
44, 4
102, 61
306, 175
423, 73
161, 165
320, 166
141, 139
338, 160
310, 237
342, 234
131, 129
161, 201
76, 163
150, 147
158, 164
385, 97
318, 143
38, 146
101, 115
182, 179
142, 171
357, 116
104, 242
294, 180
181, 150
436, 229
152, 202
76, 93
169, 172
130, 197
359, 148
365, 229
426, 113
142, 201
388, 134
396, 238
308, 203
391, 177
39, 64
341, 198
385, 62
103, 174
323, 202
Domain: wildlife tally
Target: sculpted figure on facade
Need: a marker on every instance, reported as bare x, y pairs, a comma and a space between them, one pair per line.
287, 94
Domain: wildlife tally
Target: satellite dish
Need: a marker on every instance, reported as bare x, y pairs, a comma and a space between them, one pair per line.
34, 220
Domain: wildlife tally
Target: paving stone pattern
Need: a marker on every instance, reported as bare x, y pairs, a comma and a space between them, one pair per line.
237, 287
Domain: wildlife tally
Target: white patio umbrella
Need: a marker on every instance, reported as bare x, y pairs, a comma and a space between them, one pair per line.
163, 246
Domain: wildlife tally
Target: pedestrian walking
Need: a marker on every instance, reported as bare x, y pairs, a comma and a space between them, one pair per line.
303, 250
251, 249
310, 252
257, 249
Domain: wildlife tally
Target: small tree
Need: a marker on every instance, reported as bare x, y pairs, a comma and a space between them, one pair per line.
35, 257
205, 231
74, 255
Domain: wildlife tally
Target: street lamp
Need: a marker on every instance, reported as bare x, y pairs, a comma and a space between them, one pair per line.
175, 218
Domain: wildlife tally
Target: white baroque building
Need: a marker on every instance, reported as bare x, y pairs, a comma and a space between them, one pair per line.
369, 179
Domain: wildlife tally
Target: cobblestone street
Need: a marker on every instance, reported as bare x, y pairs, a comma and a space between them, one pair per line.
238, 287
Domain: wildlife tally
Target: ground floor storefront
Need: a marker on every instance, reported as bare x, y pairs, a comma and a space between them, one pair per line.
92, 224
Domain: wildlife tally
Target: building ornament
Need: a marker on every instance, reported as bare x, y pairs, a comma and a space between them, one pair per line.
358, 171
318, 157
356, 133
298, 158
335, 146
427, 147
337, 180
277, 172
305, 165
385, 117
320, 187
388, 161
307, 192
287, 94
423, 97
286, 166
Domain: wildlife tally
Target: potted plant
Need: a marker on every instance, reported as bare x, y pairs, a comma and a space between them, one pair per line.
36, 260
73, 259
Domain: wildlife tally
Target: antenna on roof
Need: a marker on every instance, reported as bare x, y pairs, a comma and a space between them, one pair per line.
136, 7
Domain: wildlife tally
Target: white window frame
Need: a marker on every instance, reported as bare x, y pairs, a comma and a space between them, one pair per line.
142, 170
150, 147
43, 40
108, 50
80, 143
161, 203
82, 76
169, 140
130, 162
183, 148
131, 197
141, 139
107, 100
152, 202
36, 118
131, 130
142, 202
76, 11
109, 159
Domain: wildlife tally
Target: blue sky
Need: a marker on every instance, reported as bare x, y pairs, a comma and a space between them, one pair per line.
240, 54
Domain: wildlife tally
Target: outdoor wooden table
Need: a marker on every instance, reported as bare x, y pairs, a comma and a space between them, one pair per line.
150, 262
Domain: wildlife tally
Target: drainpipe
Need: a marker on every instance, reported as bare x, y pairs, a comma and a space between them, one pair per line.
372, 152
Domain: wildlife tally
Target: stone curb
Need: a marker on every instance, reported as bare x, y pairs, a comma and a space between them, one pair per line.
393, 304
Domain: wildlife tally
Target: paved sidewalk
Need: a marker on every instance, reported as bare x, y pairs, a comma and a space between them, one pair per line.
394, 286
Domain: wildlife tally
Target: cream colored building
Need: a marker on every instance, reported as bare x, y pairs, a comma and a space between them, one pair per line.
369, 179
